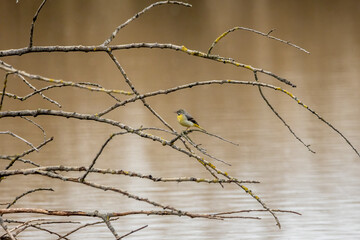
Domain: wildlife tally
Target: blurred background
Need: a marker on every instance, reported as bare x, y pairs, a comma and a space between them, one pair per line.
324, 187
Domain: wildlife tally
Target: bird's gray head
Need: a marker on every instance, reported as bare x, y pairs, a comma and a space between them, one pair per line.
180, 111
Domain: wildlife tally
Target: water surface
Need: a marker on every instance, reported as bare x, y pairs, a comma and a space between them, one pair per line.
323, 187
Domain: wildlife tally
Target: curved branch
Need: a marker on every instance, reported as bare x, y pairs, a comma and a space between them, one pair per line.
122, 126
33, 23
31, 171
279, 117
113, 35
22, 139
127, 80
115, 214
101, 48
257, 32
60, 83
212, 169
28, 192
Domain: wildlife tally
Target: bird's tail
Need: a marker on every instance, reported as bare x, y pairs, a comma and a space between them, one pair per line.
196, 125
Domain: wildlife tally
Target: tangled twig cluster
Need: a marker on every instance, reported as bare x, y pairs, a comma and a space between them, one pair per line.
180, 142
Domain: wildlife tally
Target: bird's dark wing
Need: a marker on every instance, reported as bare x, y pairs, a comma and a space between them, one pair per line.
191, 119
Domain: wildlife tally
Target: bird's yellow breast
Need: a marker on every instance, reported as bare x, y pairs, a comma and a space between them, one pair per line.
184, 121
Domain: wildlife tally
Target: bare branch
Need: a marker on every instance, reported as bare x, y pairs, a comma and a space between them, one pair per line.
114, 214
28, 192
259, 84
6, 229
14, 158
37, 226
35, 223
127, 80
20, 160
84, 226
107, 188
92, 117
197, 146
35, 90
106, 219
113, 35
33, 23
281, 119
181, 87
37, 125
107, 49
7, 173
259, 210
22, 139
172, 210
257, 32
134, 231
4, 90
185, 145
213, 135
98, 154
60, 83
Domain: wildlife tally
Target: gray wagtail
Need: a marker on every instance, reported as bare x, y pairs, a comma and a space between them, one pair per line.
186, 120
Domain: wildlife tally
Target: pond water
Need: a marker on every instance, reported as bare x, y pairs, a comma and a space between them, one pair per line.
323, 187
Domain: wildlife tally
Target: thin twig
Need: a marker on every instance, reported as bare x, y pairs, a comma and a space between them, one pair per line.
107, 188
46, 230
26, 193
168, 210
67, 213
258, 210
107, 49
209, 167
213, 135
4, 90
321, 119
29, 171
40, 93
20, 160
110, 92
213, 173
257, 32
35, 223
22, 139
33, 23
99, 153
16, 157
83, 226
279, 117
131, 85
113, 35
185, 86
106, 219
6, 229
197, 146
37, 125
133, 231
58, 82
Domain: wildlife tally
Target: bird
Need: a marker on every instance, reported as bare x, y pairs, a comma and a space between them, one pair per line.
186, 120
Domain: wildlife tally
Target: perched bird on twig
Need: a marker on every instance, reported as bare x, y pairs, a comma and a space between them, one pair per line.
186, 120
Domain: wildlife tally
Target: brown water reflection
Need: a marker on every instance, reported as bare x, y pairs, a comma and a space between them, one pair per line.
324, 187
